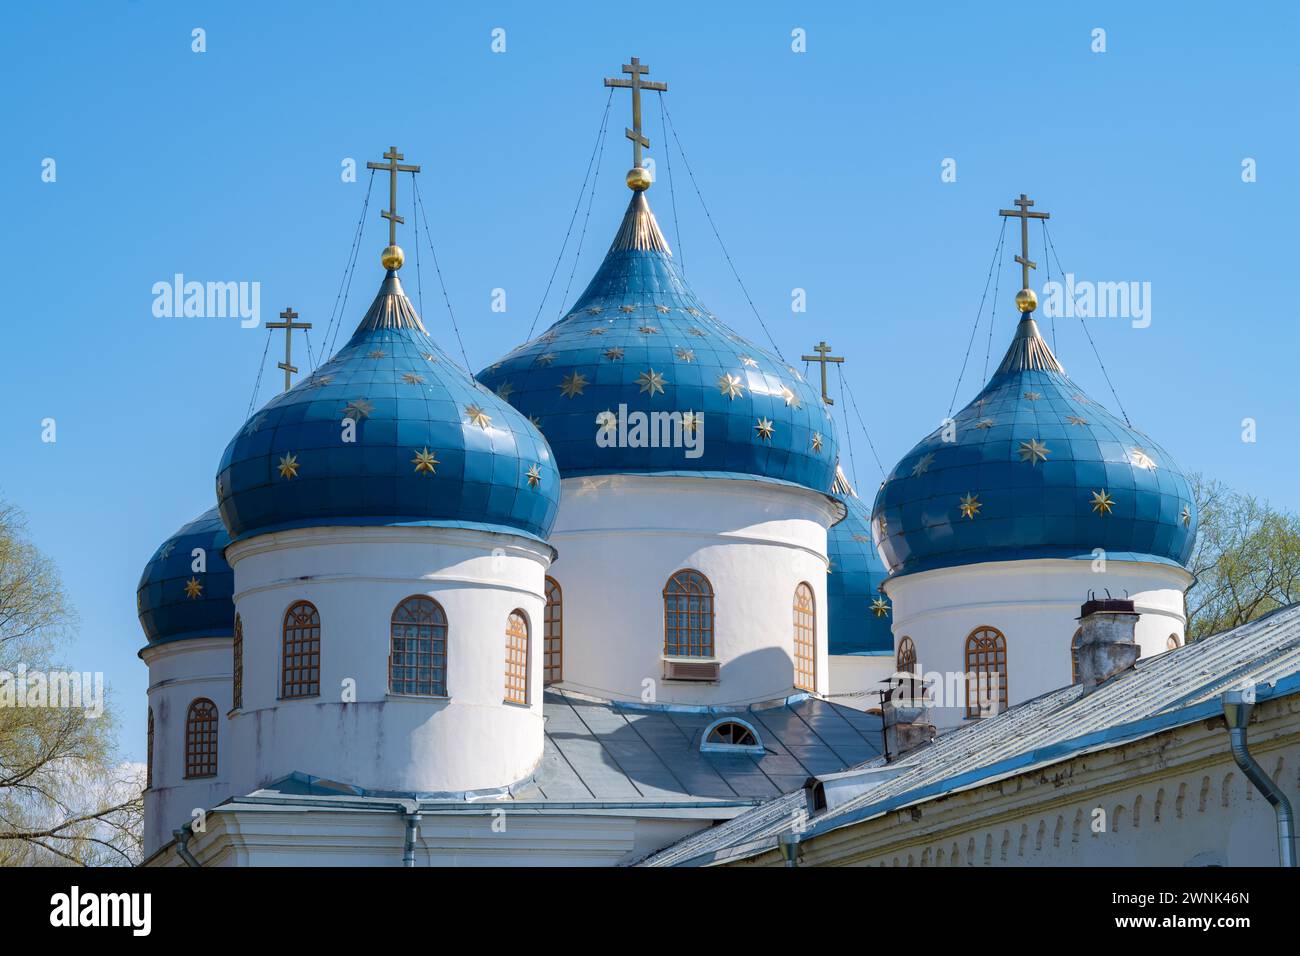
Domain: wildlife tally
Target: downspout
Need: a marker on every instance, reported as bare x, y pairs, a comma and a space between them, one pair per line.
412, 818
182, 846
790, 849
1237, 705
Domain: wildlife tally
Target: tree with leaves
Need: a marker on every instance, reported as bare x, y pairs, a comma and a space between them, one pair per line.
65, 799
1246, 561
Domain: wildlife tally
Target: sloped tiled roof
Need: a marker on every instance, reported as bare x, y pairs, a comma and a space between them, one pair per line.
1170, 690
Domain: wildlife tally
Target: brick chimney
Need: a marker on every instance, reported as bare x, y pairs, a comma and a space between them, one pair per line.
1107, 646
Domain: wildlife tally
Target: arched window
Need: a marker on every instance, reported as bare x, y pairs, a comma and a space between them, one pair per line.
688, 615
148, 754
300, 662
417, 657
516, 658
1173, 643
201, 739
730, 734
986, 672
553, 633
805, 639
237, 675
1076, 643
906, 664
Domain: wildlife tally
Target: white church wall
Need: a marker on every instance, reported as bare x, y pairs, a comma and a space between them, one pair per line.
471, 739
856, 678
1035, 604
620, 538
181, 672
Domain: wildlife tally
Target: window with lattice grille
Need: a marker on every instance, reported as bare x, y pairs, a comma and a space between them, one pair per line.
553, 634
300, 662
516, 658
688, 615
201, 739
986, 672
805, 639
417, 656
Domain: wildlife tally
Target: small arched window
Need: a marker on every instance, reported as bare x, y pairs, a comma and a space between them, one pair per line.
1076, 643
201, 739
688, 615
417, 656
1173, 643
906, 664
553, 633
730, 734
237, 674
986, 672
805, 639
148, 754
517, 658
300, 660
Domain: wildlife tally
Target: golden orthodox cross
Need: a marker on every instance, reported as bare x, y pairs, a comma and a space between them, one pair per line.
823, 357
393, 167
636, 68
288, 325
1024, 215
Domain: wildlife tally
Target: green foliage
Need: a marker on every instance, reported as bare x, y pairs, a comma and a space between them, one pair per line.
64, 799
1246, 561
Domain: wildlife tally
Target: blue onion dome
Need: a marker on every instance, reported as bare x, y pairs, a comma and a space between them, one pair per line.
639, 341
430, 446
174, 600
859, 620
1033, 468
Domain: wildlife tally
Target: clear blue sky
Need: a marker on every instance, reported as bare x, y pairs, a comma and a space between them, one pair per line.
822, 170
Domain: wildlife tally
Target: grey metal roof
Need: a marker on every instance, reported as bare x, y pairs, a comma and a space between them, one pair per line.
1160, 692
598, 750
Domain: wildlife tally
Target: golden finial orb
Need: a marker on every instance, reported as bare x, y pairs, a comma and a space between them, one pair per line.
638, 179
392, 257
1026, 301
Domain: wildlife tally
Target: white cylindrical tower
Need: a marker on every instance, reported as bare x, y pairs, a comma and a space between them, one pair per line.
389, 517
185, 608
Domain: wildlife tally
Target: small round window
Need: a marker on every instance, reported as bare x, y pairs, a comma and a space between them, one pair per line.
731, 735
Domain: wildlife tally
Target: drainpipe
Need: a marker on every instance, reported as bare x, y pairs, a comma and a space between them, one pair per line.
790, 849
1237, 705
412, 833
182, 846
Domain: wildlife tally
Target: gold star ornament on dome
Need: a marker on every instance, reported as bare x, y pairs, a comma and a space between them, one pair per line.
1186, 516
546, 359
410, 378
478, 417
692, 421
425, 462
1034, 451
1033, 396
817, 441
985, 423
571, 385
504, 391
1102, 502
880, 607
289, 466
764, 429
193, 588
748, 362
922, 466
534, 476
651, 382
1140, 459
377, 354
357, 409
1075, 420
686, 355
730, 386
613, 354
970, 505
